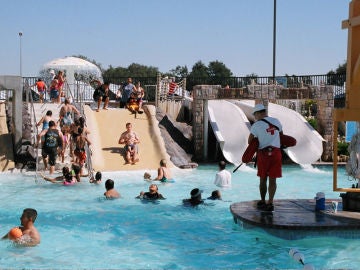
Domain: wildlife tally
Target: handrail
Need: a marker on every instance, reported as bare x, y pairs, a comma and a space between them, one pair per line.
32, 110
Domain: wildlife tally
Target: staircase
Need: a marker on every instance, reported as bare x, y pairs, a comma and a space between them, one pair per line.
40, 110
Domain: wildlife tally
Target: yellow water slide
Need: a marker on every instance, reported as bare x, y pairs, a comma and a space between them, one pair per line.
106, 127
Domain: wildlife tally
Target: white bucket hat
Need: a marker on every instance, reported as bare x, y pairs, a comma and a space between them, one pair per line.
258, 107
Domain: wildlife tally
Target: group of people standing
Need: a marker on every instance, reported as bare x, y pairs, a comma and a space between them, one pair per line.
64, 134
130, 95
55, 90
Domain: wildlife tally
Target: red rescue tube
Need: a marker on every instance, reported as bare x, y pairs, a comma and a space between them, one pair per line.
250, 150
287, 141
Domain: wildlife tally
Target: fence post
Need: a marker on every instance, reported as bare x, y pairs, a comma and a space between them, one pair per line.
157, 90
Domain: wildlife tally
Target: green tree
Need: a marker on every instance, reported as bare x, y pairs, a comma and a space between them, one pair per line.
338, 76
198, 75
218, 69
199, 70
219, 73
179, 71
118, 75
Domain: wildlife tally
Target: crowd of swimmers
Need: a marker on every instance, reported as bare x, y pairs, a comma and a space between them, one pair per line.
69, 135
27, 235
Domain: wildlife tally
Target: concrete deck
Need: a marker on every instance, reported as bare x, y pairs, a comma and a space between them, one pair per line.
296, 219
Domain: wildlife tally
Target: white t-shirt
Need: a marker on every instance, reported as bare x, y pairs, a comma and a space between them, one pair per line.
223, 179
268, 136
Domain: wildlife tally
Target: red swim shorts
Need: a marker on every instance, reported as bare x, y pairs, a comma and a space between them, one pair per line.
269, 163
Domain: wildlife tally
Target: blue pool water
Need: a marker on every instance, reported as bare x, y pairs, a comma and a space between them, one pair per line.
80, 229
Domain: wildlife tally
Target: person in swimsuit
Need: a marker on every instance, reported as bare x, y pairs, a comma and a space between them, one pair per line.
126, 92
130, 139
54, 91
65, 113
111, 192
45, 120
41, 87
97, 179
79, 151
82, 124
164, 173
60, 178
60, 84
101, 93
132, 105
152, 194
30, 235
139, 94
66, 139
53, 138
215, 195
195, 198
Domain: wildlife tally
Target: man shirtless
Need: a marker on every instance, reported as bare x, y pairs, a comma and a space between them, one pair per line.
130, 139
30, 235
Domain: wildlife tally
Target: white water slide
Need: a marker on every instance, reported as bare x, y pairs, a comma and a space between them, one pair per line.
235, 130
231, 128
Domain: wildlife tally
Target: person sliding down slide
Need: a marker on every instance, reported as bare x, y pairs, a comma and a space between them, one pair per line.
133, 104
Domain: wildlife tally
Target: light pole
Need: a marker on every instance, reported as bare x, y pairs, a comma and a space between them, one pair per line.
20, 35
22, 86
274, 42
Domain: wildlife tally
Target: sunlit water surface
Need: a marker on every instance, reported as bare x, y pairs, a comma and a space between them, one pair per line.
80, 229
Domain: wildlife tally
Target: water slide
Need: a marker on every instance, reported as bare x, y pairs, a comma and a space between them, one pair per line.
106, 127
309, 146
231, 127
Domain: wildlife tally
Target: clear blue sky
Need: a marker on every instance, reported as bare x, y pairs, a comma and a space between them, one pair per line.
167, 33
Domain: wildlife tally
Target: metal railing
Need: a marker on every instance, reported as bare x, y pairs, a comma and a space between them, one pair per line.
84, 91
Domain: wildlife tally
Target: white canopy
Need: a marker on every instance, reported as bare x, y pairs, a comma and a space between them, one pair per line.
73, 65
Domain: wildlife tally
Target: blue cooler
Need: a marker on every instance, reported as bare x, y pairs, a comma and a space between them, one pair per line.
320, 201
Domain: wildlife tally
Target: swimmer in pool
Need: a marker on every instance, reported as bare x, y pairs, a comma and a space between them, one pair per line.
152, 194
97, 179
195, 198
111, 192
30, 235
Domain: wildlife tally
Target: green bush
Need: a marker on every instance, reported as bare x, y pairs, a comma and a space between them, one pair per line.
313, 123
342, 148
